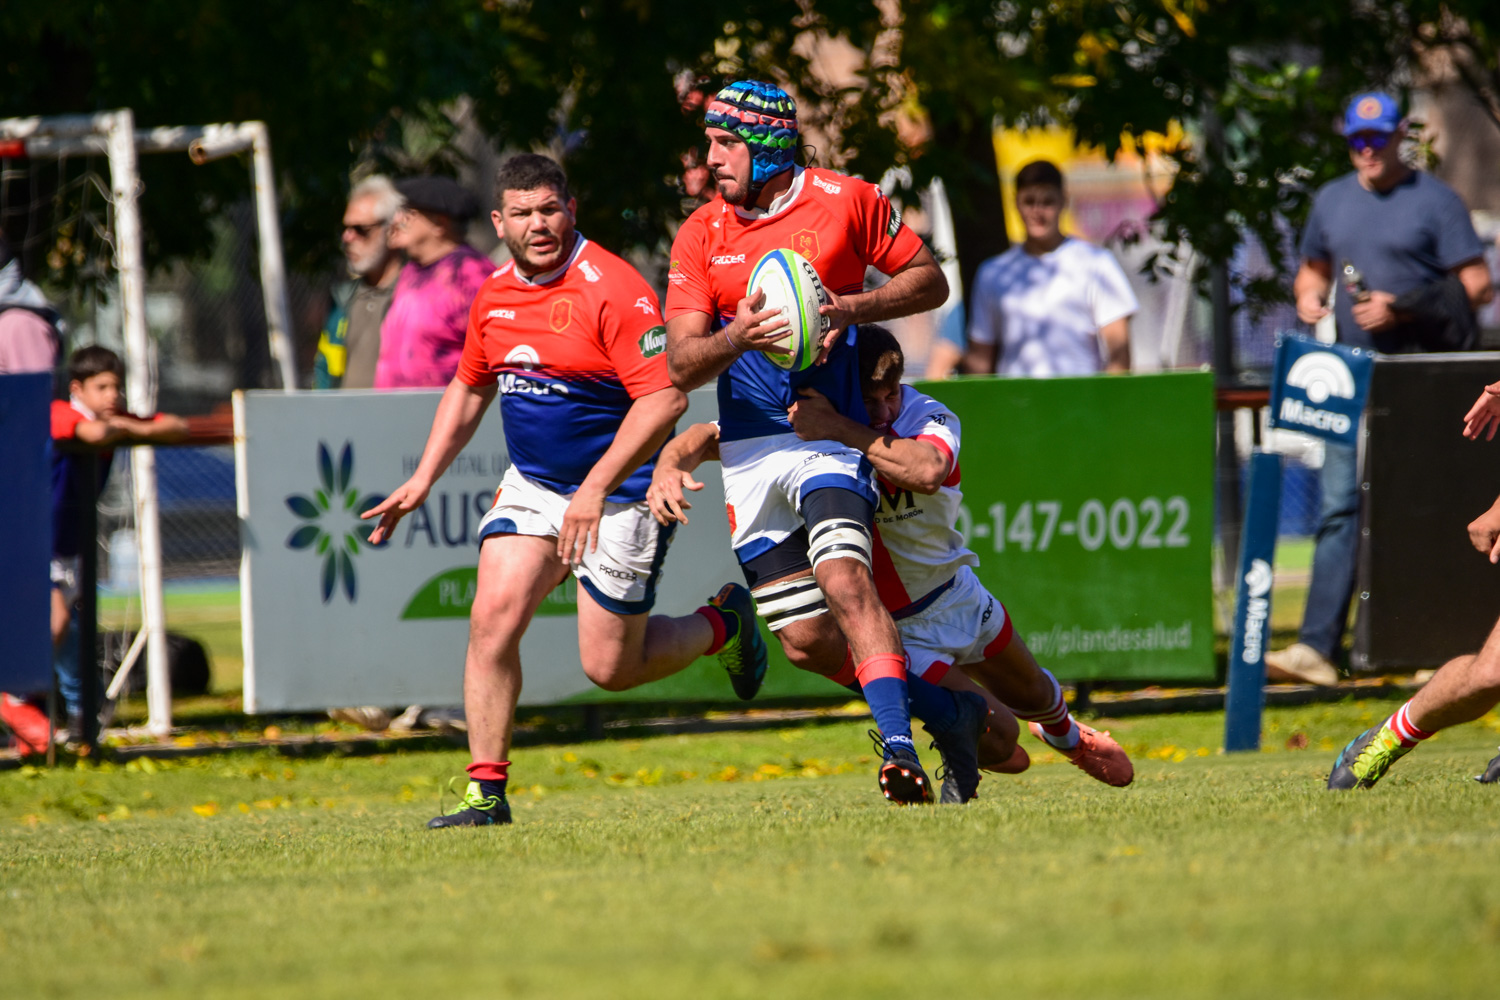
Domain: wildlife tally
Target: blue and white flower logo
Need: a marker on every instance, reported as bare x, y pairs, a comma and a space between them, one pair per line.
333, 527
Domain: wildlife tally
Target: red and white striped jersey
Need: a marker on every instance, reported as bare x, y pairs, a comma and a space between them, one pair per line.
917, 546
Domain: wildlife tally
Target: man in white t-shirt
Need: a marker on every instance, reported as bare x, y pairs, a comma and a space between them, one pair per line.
1055, 304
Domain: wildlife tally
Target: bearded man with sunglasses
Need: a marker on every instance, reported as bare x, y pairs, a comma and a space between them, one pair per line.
1407, 237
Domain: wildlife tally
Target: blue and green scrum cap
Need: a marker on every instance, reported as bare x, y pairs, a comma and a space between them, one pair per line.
765, 117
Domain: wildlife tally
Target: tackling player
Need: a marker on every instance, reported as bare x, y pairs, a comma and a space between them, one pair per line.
799, 511
922, 568
569, 336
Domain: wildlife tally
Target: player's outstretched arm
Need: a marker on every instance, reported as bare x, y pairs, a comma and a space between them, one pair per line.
905, 462
646, 425
458, 415
696, 353
1484, 416
674, 472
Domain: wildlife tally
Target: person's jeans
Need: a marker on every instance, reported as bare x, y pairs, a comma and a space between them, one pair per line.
69, 676
1335, 553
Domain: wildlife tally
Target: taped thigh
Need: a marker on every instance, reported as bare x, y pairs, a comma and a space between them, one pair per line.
788, 601
838, 526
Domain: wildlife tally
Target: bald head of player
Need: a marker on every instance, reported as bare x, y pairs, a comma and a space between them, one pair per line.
752, 137
535, 214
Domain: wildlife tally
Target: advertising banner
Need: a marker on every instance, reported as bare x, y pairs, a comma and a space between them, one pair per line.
26, 545
1246, 696
1319, 388
1093, 528
1089, 502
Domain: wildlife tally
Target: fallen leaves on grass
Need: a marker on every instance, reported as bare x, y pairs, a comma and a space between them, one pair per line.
1297, 741
207, 809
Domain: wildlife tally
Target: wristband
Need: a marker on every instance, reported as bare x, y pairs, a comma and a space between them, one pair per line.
737, 349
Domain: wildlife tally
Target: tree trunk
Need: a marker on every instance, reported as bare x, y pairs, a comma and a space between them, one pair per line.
973, 181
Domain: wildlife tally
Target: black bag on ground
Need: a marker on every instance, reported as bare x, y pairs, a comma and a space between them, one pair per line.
187, 664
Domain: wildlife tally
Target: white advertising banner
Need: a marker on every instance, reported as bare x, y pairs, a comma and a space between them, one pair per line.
329, 620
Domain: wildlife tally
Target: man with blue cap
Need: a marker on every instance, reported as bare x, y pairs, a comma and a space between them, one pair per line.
1410, 272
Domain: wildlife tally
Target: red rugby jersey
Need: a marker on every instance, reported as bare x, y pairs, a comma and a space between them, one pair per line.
570, 351
841, 225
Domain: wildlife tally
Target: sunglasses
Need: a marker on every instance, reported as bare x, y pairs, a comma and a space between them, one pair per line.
1376, 141
363, 232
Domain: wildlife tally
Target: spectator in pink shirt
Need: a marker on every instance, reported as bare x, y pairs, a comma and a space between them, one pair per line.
28, 322
422, 335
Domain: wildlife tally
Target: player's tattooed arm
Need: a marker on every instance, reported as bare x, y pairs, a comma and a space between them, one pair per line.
458, 415
909, 463
696, 353
674, 472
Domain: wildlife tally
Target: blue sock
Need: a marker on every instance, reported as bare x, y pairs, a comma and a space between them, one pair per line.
493, 787
936, 706
887, 698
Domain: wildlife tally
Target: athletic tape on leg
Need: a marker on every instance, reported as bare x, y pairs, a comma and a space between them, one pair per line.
789, 601
839, 538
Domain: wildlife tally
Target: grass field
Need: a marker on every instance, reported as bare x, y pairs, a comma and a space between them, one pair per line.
762, 865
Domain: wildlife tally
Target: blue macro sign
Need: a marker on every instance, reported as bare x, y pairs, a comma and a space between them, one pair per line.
1319, 388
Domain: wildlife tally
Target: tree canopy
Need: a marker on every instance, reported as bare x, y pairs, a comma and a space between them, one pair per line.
1258, 86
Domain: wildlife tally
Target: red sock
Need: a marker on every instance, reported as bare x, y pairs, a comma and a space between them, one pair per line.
846, 674
716, 622
488, 770
881, 665
1402, 726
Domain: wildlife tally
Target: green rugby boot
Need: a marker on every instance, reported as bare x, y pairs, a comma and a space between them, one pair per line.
474, 809
743, 655
1366, 759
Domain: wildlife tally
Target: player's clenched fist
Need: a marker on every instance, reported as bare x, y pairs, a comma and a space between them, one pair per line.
1484, 532
408, 497
756, 328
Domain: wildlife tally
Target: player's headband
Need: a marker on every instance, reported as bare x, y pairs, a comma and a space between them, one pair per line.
765, 117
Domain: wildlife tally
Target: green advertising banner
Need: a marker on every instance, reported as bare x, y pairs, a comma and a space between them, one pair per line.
1089, 502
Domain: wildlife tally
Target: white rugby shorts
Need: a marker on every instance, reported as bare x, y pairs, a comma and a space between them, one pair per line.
964, 624
766, 478
621, 574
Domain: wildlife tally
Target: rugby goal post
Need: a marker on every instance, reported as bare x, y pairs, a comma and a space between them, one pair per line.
113, 135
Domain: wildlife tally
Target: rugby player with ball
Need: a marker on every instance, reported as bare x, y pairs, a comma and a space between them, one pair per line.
570, 338
801, 512
923, 570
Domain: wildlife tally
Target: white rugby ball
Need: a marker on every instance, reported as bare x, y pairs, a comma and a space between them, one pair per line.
792, 285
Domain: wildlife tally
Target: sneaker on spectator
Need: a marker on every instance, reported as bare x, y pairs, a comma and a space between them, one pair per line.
367, 717
1299, 663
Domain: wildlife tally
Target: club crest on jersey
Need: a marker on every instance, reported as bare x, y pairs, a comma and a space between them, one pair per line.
826, 186
645, 305
589, 271
653, 342
805, 242
562, 314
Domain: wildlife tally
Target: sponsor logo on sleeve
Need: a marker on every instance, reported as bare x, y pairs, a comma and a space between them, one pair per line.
894, 226
653, 341
645, 305
827, 186
589, 270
